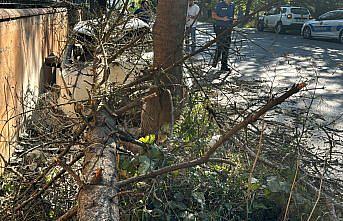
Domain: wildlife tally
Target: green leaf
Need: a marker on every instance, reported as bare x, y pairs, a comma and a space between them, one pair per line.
254, 186
228, 206
273, 184
267, 193
299, 198
145, 165
157, 212
51, 175
124, 164
179, 196
155, 152
199, 197
260, 206
149, 139
8, 187
285, 187
51, 214
141, 185
177, 205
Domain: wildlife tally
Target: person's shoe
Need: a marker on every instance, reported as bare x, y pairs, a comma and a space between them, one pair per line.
225, 68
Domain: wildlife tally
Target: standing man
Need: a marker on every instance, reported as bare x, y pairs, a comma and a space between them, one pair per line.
191, 24
223, 15
143, 13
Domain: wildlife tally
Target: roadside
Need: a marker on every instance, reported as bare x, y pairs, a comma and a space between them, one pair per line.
265, 64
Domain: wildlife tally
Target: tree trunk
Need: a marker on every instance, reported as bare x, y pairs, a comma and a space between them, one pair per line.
96, 199
168, 37
168, 34
248, 7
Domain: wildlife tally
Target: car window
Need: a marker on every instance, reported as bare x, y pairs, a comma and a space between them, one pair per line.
300, 11
271, 11
337, 15
327, 16
284, 10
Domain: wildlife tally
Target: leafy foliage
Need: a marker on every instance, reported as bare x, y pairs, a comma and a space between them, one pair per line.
216, 191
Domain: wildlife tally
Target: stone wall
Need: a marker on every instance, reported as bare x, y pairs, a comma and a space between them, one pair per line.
27, 37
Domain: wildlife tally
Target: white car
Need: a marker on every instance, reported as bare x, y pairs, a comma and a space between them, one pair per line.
328, 25
88, 27
284, 18
77, 69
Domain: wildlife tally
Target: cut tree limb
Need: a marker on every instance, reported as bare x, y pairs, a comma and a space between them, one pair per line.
96, 199
226, 136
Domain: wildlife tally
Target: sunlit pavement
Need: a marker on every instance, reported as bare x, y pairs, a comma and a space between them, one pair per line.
279, 61
286, 59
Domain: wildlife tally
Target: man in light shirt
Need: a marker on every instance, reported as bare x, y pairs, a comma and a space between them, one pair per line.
191, 24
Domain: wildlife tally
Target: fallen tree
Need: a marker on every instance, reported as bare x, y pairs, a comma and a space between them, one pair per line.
95, 164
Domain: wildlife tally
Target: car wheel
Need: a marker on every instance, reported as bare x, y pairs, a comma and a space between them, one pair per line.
340, 40
307, 34
279, 29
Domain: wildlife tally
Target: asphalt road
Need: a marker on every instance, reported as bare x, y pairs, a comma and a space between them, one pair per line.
276, 62
286, 59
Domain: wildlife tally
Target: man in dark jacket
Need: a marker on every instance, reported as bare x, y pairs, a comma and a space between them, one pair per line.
143, 12
223, 15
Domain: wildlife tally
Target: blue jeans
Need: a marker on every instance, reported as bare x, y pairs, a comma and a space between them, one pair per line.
190, 32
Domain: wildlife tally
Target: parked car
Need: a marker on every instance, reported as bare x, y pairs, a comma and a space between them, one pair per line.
328, 25
77, 72
284, 18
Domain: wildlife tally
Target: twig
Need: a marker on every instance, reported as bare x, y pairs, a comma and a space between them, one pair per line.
292, 188
46, 186
318, 197
69, 214
252, 154
128, 192
315, 189
297, 166
70, 171
331, 208
254, 166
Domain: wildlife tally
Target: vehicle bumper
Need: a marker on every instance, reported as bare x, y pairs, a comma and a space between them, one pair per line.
294, 26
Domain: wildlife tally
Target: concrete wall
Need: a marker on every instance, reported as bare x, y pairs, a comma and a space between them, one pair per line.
27, 37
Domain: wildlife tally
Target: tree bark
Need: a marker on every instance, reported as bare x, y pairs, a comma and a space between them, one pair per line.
96, 199
168, 34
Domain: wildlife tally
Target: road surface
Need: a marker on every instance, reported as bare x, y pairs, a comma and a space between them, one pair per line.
286, 59
278, 62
